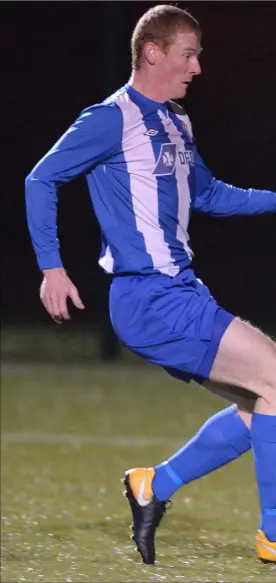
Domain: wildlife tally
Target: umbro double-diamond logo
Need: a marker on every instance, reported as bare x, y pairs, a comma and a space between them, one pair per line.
151, 133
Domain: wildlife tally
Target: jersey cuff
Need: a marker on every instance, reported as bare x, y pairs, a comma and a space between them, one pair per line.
49, 260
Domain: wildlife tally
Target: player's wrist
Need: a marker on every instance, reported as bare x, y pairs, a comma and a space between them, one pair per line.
53, 271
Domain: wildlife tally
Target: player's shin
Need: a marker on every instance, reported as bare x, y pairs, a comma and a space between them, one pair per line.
223, 438
263, 438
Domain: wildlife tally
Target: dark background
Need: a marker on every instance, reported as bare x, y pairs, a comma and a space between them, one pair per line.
63, 56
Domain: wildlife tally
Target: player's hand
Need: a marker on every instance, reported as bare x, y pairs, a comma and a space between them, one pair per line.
55, 289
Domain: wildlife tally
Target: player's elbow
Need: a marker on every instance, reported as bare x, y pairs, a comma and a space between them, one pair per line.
28, 183
28, 180
37, 174
33, 175
33, 182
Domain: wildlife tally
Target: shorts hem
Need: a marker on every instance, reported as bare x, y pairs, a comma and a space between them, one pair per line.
221, 323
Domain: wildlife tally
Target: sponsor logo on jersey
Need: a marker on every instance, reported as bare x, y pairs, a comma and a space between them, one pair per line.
166, 161
168, 157
187, 157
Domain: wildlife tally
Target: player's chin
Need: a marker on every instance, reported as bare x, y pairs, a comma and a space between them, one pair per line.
182, 90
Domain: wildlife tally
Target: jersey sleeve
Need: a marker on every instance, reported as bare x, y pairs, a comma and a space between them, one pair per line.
91, 140
217, 198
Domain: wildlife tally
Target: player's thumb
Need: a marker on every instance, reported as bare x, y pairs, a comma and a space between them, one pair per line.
74, 295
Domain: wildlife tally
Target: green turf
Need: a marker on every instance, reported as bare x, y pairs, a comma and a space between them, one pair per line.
68, 434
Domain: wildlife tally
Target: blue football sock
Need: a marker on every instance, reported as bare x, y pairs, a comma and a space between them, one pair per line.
223, 438
263, 438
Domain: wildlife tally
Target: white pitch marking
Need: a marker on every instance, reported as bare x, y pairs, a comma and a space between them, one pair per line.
82, 439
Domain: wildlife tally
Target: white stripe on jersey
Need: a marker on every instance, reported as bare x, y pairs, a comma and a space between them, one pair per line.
107, 261
144, 192
183, 190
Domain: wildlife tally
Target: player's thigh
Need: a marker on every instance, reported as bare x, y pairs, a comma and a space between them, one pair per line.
246, 358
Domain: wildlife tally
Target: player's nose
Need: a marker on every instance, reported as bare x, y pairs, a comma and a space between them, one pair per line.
196, 68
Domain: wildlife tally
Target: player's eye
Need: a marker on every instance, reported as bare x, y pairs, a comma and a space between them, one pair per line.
189, 56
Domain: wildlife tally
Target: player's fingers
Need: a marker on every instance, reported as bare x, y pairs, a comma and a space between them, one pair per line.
55, 303
55, 308
48, 307
63, 309
74, 295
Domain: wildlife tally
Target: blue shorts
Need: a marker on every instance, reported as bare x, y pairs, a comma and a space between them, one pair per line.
172, 322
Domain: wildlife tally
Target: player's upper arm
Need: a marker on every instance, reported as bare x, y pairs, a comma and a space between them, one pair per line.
203, 184
93, 138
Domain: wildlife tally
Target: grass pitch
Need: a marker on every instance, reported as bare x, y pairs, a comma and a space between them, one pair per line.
68, 434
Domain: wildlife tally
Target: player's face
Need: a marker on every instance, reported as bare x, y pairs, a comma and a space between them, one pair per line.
180, 63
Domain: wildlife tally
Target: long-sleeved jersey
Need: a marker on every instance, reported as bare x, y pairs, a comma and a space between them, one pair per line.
145, 177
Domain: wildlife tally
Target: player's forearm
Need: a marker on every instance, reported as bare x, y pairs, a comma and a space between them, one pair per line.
223, 200
41, 211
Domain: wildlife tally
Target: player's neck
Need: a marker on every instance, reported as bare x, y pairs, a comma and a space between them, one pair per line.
148, 87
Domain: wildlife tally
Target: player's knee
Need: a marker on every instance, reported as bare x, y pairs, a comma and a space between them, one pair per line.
271, 371
267, 392
266, 388
267, 367
271, 399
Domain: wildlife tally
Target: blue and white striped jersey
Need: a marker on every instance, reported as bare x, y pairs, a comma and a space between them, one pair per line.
145, 177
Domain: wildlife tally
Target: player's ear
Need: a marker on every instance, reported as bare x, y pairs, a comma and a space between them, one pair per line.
150, 52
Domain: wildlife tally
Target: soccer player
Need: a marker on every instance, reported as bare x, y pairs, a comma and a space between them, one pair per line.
146, 177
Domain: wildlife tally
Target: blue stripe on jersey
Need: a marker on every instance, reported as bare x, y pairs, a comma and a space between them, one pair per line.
123, 246
189, 146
